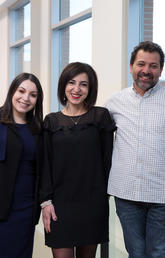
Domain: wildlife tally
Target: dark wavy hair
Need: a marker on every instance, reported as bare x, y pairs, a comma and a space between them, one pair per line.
148, 46
35, 116
69, 72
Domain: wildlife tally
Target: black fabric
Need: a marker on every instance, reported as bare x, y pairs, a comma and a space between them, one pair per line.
77, 160
9, 169
18, 230
3, 140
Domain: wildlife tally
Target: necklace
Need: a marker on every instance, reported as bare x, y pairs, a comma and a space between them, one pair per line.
75, 121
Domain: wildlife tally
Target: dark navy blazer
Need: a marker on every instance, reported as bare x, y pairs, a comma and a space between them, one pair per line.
10, 153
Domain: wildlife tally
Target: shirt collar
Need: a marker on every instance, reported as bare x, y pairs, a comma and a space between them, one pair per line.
148, 92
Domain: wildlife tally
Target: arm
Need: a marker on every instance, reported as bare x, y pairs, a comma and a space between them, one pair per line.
107, 134
46, 187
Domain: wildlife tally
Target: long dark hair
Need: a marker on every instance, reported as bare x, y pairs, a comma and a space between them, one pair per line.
34, 117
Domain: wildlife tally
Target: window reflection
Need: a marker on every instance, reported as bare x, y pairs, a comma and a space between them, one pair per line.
158, 26
81, 41
76, 43
27, 19
22, 22
23, 58
72, 7
72, 41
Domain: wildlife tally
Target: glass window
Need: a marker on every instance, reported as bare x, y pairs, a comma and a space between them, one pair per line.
27, 20
81, 41
71, 38
158, 26
72, 7
146, 23
20, 23
76, 42
20, 60
23, 22
25, 58
153, 23
20, 31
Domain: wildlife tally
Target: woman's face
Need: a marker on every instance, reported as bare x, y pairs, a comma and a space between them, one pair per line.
77, 89
24, 98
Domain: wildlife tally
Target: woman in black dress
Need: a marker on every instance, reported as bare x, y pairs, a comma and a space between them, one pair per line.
77, 158
20, 126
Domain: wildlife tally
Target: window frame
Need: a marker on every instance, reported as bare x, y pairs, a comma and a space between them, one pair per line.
56, 28
135, 29
15, 44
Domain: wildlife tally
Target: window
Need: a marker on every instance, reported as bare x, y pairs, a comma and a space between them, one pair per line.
78, 38
153, 24
71, 37
20, 47
72, 7
158, 27
146, 24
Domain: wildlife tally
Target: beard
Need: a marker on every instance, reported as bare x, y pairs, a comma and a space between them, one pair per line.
145, 85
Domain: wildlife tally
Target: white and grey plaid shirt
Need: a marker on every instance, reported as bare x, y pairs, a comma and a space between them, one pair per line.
138, 162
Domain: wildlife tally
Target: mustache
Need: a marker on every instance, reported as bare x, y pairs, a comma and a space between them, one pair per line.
147, 75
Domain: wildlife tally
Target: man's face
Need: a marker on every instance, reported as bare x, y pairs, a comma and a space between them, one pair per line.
145, 70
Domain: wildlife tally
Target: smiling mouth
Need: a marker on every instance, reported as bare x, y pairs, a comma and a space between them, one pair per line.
75, 96
24, 105
145, 77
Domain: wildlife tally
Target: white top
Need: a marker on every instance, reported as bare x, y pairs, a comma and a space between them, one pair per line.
138, 161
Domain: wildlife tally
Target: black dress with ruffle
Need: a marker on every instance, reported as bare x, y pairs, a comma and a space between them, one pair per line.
77, 160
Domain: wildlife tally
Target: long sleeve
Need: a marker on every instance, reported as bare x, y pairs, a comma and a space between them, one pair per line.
46, 189
107, 133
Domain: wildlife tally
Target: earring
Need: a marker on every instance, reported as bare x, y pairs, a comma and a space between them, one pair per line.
65, 99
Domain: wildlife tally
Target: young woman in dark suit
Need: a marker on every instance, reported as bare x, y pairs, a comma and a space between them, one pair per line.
20, 127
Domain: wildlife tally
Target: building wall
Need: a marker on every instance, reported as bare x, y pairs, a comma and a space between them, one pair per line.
110, 33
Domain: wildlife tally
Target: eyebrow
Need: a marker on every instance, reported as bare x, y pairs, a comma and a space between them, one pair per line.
25, 89
141, 60
80, 81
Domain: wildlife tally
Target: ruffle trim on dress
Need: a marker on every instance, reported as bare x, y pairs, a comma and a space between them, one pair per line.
100, 126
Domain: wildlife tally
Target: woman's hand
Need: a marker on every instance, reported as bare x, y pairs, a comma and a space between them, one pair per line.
48, 212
